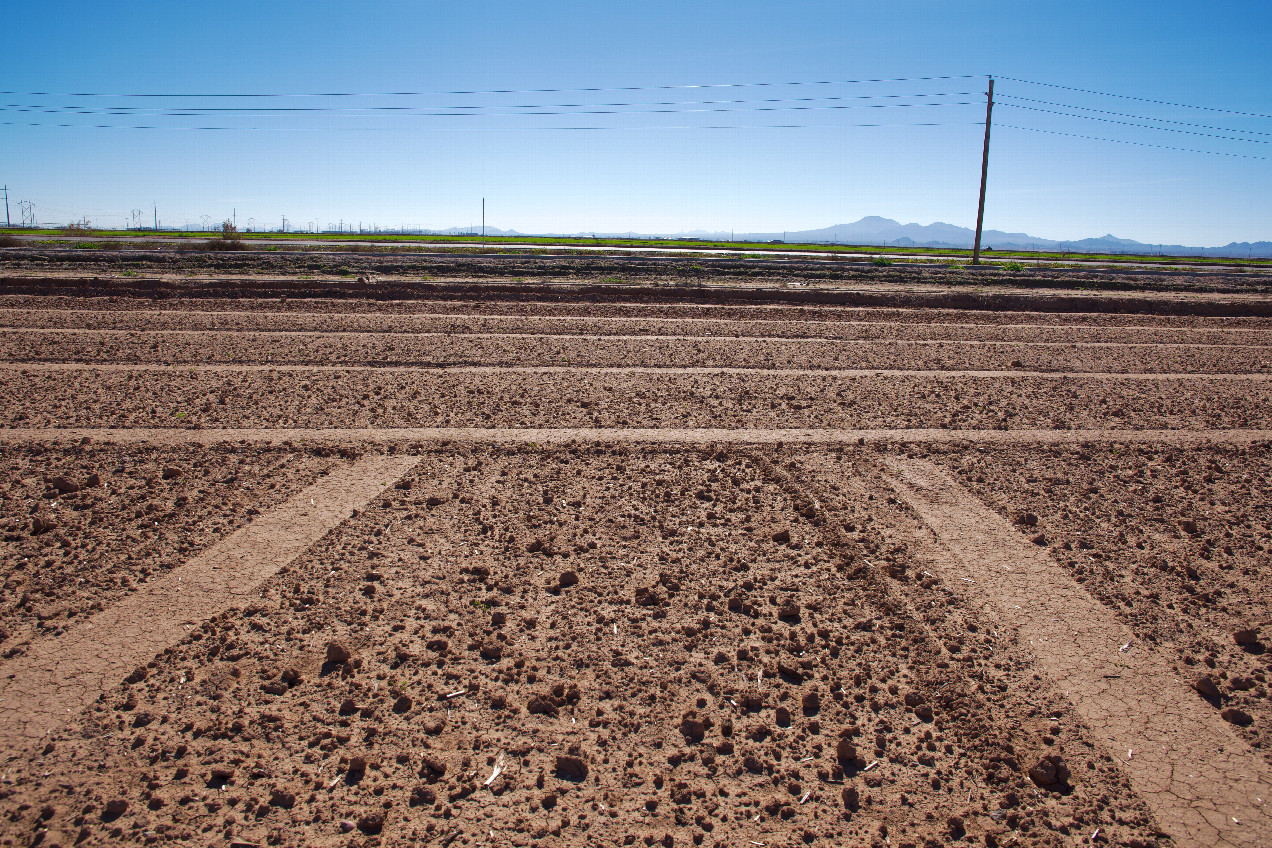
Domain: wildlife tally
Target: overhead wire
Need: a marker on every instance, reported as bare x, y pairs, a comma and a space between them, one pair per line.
1126, 115
1140, 99
499, 90
494, 110
137, 110
1140, 126
836, 107
488, 129
1136, 143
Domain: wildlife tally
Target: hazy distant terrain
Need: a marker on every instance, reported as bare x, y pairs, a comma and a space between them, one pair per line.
885, 232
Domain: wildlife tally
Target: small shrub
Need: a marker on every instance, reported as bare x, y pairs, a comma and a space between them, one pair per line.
880, 261
1013, 266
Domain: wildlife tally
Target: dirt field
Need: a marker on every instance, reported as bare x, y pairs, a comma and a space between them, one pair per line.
632, 570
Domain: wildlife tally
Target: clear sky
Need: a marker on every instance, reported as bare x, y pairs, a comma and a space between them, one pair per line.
366, 159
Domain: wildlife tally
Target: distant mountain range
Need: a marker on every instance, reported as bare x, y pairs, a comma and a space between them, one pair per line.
884, 232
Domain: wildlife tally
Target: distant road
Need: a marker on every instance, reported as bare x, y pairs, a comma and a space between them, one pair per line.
618, 251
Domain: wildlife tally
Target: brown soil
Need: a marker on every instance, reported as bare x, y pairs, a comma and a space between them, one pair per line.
586, 350
1114, 517
593, 640
68, 554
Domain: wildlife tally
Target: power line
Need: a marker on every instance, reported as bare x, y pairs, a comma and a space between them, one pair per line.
1140, 99
1140, 126
503, 90
489, 129
138, 109
203, 113
1126, 115
146, 110
1136, 143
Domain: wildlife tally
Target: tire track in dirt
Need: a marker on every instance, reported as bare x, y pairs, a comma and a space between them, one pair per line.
616, 435
1203, 782
58, 677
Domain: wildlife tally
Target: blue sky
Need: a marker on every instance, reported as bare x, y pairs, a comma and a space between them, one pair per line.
643, 170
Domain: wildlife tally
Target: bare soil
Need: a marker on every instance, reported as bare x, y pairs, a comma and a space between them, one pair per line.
607, 642
132, 515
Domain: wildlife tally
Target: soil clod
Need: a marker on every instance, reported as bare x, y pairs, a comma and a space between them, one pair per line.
1237, 716
1206, 686
1050, 773
571, 768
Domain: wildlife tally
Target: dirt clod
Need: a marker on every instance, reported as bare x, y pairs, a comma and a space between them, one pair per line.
569, 768
423, 796
1206, 686
337, 653
432, 767
63, 485
1050, 772
371, 823
693, 729
1246, 636
282, 798
1237, 716
845, 751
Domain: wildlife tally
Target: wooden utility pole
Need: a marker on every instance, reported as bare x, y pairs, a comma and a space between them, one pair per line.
483, 220
980, 212
7, 222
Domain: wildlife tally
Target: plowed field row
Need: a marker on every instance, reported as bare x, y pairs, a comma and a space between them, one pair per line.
687, 321
54, 396
507, 349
